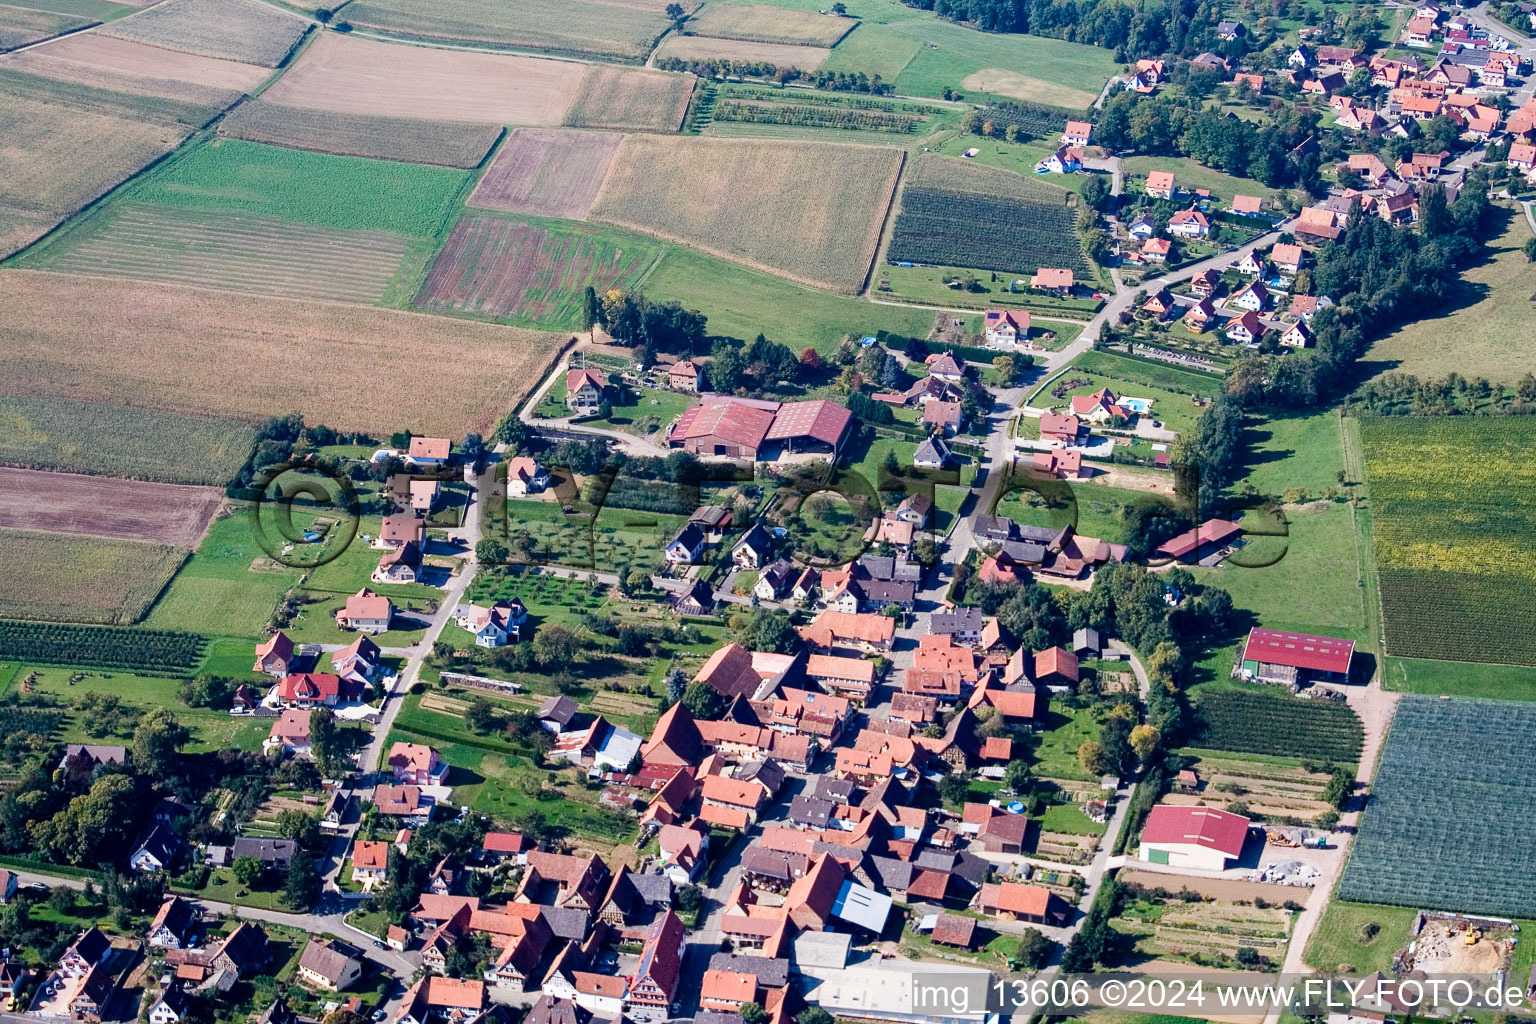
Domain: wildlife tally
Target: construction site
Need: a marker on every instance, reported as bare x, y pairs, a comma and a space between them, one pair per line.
1452, 944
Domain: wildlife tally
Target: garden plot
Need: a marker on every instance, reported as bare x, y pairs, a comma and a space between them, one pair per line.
1209, 932
1273, 790
547, 173
1448, 825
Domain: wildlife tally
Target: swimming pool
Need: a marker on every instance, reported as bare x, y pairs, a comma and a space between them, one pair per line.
1137, 405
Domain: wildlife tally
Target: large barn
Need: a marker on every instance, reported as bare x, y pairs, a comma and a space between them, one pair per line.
745, 428
1192, 837
1292, 659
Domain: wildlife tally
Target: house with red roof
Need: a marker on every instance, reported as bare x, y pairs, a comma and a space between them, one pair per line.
1292, 659
309, 689
1194, 837
742, 428
429, 451
1077, 133
1100, 406
1005, 326
1245, 329
1014, 901
275, 656
415, 763
365, 612
525, 476
1161, 184
1190, 223
1155, 250
584, 391
1059, 465
1205, 540
1200, 316
685, 376
1056, 280
1056, 666
1060, 427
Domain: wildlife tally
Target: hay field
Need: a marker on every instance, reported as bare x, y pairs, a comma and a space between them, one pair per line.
218, 353
379, 138
20, 26
62, 578
806, 58
90, 58
612, 97
809, 211
57, 157
259, 255
100, 506
352, 75
230, 29
547, 173
1002, 82
114, 440
762, 24
555, 26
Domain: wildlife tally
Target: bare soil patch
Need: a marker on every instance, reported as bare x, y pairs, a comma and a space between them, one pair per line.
806, 58
352, 75
231, 29
1216, 888
241, 356
136, 61
547, 173
100, 506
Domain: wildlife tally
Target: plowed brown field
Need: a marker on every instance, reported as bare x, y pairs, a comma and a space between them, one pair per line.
547, 173
106, 507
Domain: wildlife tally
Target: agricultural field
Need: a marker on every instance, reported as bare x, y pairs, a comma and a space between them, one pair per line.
809, 211
112, 440
381, 138
269, 221
229, 587
90, 58
351, 75
963, 215
1452, 508
547, 173
1208, 932
784, 55
56, 643
175, 354
793, 112
554, 26
1253, 722
533, 273
71, 578
1484, 329
1361, 936
741, 302
612, 97
63, 150
1417, 844
1274, 787
763, 24
22, 26
249, 33
1144, 373
170, 514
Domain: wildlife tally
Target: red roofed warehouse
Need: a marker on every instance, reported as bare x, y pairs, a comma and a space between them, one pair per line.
1195, 837
1203, 542
1273, 656
749, 429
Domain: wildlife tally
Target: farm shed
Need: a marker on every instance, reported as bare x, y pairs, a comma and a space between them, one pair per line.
1194, 837
1275, 656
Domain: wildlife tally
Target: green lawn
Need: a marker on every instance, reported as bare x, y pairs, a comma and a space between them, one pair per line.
1150, 374
1069, 818
1055, 752
216, 592
1192, 175
1459, 679
926, 284
1485, 330
1174, 411
1044, 70
1361, 935
743, 303
617, 536
1293, 451
1099, 510
1019, 157
864, 460
223, 887
652, 410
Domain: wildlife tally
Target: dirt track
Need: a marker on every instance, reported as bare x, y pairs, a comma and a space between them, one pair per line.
106, 507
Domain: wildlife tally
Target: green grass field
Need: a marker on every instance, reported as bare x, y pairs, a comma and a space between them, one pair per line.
926, 284
1285, 452
1459, 679
1151, 374
1100, 510
743, 303
1019, 157
1485, 332
1192, 175
217, 592
1175, 412
652, 410
1055, 753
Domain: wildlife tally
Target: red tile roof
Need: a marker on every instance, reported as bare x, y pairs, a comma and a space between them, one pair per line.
821, 420
430, 448
1015, 898
736, 422
1056, 661
311, 686
1212, 531
1299, 650
1205, 827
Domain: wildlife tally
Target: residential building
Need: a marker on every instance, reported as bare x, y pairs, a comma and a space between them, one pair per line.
370, 861
415, 763
654, 984
276, 656
584, 391
1077, 133
1013, 901
1189, 223
525, 476
329, 965
1005, 327
1161, 184
685, 376
365, 612
173, 922
1056, 280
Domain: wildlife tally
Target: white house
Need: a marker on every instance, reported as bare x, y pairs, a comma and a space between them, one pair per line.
685, 548
1251, 263
1194, 837
525, 476
1005, 327
1299, 336
584, 391
1254, 297
1189, 223
1066, 160
932, 454
171, 1007
1077, 133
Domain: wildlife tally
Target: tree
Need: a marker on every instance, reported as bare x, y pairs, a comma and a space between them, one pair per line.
814, 1015
1095, 192
810, 359
704, 701
248, 870
954, 788
1004, 368
591, 307
752, 1013
301, 827
1034, 949
554, 644
1017, 775
688, 898
766, 630
339, 1016
1092, 757
1530, 249
206, 691
1144, 740
91, 828
157, 742
302, 884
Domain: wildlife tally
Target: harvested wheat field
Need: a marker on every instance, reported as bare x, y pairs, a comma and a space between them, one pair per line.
1031, 90
102, 506
808, 211
806, 58
553, 26
238, 30
57, 157
381, 138
762, 24
351, 75
20, 26
60, 577
613, 97
90, 58
547, 173
219, 353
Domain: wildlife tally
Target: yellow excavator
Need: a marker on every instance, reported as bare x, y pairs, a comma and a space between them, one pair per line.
1470, 936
